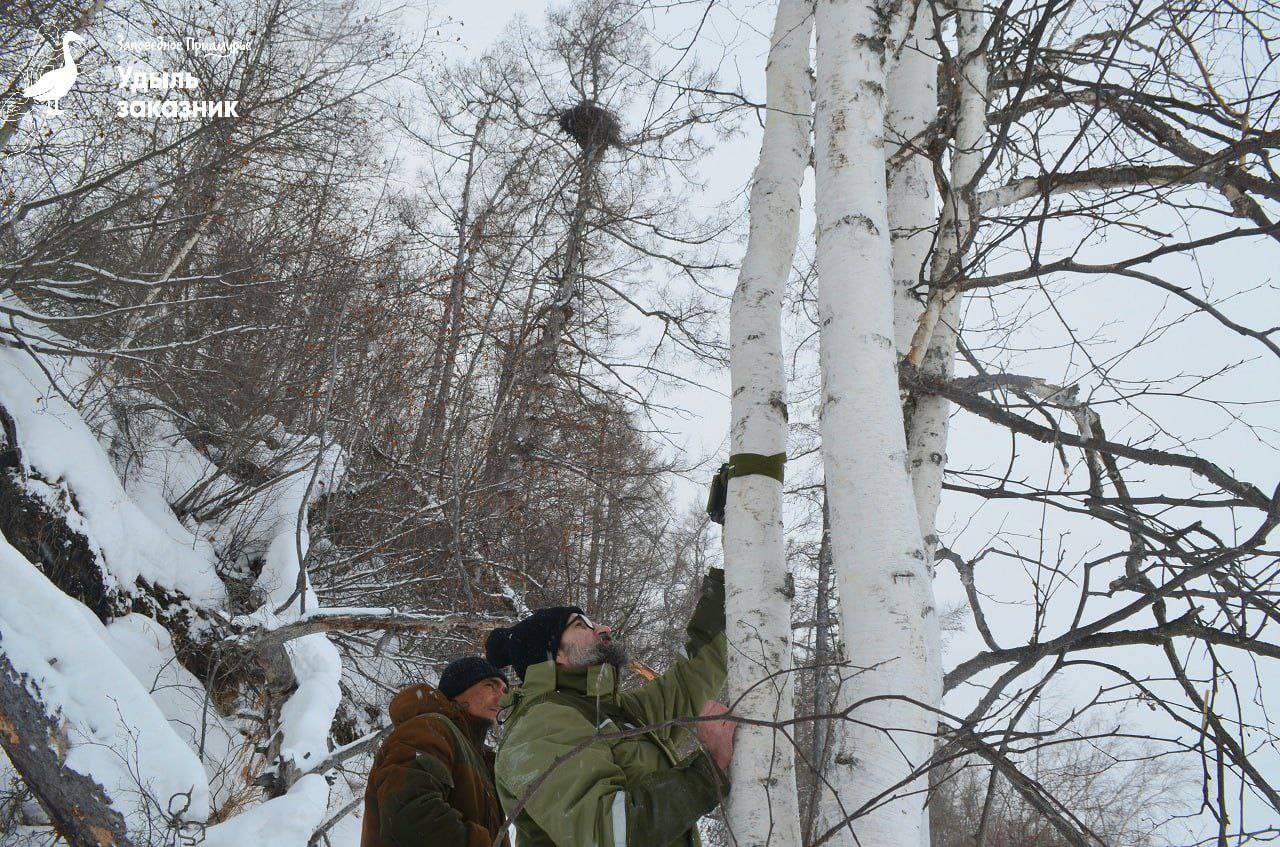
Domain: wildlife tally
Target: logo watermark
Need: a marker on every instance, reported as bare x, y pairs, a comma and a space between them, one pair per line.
201, 46
146, 93
53, 85
134, 80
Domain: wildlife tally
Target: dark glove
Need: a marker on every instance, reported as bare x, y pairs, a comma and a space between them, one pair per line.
666, 804
708, 616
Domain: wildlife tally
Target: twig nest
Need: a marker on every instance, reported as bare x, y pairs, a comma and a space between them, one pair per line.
591, 125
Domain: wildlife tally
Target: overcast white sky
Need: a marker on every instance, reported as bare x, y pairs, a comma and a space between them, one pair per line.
703, 426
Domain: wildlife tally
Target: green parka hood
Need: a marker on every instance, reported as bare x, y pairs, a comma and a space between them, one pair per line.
597, 682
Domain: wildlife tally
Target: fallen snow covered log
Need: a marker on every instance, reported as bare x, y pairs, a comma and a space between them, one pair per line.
84, 734
77, 806
92, 519
61, 461
33, 519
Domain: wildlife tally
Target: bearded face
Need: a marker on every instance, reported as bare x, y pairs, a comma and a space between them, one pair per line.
600, 653
584, 644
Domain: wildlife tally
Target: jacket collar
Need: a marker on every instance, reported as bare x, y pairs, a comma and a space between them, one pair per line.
595, 681
424, 699
476, 729
600, 681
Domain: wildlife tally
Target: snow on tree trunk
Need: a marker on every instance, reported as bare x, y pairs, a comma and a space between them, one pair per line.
62, 462
104, 724
885, 592
763, 806
76, 805
118, 707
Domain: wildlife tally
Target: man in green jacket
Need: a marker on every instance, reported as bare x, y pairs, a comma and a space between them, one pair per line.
589, 765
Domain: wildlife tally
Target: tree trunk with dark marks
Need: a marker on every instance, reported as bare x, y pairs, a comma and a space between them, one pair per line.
886, 597
763, 805
36, 744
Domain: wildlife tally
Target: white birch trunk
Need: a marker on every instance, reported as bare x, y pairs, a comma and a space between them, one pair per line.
927, 428
934, 347
913, 220
936, 327
763, 807
913, 197
885, 592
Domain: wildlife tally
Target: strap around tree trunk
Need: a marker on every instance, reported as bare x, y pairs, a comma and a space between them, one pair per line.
746, 464
741, 464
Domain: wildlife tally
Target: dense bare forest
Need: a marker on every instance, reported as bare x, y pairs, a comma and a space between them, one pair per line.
332, 340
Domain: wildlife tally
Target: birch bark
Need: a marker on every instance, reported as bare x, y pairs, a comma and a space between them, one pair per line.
886, 598
763, 806
913, 219
913, 201
927, 420
934, 346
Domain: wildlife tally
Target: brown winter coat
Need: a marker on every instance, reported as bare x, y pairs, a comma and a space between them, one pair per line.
432, 780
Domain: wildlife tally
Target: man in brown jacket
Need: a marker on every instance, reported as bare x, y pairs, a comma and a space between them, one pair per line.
432, 780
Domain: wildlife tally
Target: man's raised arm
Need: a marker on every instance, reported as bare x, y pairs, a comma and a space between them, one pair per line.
682, 691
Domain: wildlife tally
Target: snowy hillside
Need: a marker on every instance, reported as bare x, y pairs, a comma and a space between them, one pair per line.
98, 528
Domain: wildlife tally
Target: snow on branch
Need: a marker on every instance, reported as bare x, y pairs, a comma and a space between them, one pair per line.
285, 821
266, 635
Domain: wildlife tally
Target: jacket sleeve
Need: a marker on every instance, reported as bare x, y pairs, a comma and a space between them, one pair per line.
585, 798
699, 676
413, 798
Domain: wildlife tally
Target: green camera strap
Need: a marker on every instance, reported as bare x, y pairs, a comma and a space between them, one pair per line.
741, 464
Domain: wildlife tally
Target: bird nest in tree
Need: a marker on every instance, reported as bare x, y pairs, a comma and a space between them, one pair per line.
592, 126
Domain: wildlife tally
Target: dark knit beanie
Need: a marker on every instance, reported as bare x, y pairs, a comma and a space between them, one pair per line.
534, 639
461, 674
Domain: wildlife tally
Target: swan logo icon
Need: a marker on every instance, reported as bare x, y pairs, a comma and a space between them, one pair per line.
53, 85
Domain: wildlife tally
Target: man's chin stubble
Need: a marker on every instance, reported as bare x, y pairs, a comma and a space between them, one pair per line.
610, 653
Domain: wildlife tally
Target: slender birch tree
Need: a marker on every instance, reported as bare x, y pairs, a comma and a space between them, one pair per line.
912, 93
763, 805
912, 109
933, 344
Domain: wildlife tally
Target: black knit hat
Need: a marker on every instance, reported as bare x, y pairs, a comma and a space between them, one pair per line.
534, 639
461, 674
